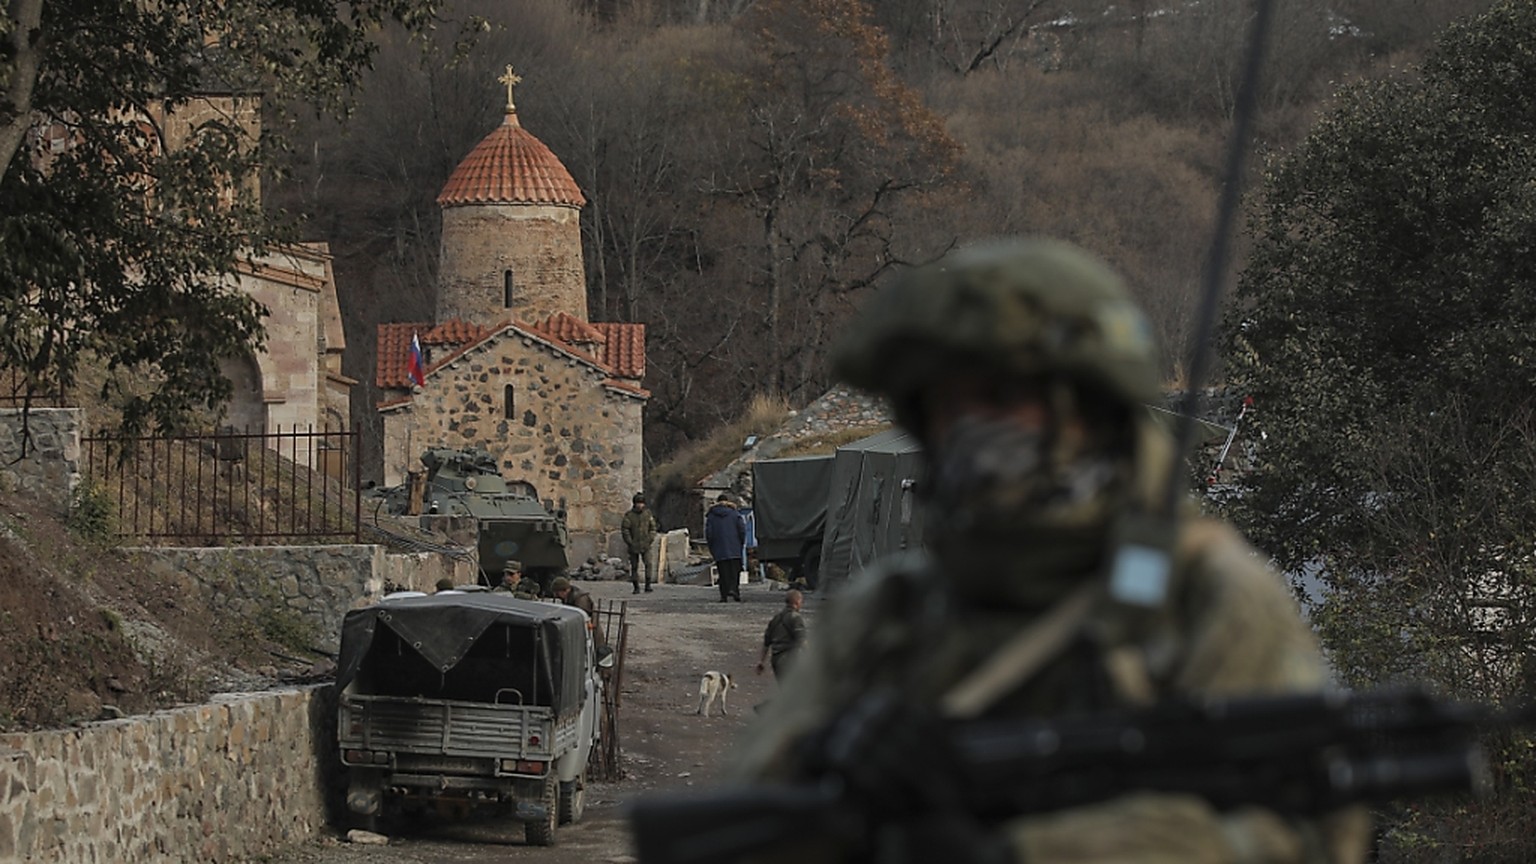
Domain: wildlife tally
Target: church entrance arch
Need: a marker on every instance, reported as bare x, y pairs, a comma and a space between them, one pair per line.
246, 409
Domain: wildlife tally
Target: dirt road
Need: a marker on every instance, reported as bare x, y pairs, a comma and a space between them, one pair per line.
676, 634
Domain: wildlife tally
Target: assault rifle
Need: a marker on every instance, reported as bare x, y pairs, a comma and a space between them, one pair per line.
1297, 754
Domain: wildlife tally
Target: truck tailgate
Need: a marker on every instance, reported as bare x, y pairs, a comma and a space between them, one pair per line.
447, 727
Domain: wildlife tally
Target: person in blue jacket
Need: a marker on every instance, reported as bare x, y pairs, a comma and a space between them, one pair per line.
725, 529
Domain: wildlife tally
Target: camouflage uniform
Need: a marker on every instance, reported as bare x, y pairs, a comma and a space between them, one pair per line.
784, 638
638, 528
1048, 314
524, 589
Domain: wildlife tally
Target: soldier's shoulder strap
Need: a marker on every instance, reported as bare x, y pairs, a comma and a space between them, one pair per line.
1025, 654
1021, 657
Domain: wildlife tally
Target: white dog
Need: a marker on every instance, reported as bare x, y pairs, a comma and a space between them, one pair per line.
714, 685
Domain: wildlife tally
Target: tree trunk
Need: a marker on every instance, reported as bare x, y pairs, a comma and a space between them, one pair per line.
775, 288
16, 100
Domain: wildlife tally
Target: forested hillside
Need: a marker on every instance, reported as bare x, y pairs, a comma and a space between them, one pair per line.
754, 167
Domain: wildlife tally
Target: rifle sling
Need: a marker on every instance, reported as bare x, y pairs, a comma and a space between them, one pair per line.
1022, 656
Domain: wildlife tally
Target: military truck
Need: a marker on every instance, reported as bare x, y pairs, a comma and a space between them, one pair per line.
510, 522
468, 703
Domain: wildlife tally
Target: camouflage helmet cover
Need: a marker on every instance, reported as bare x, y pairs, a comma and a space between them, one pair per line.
1031, 308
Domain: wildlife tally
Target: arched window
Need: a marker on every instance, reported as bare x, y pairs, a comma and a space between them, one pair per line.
506, 289
508, 403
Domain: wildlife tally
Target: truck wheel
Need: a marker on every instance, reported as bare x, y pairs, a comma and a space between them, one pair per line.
542, 832
373, 823
573, 799
810, 564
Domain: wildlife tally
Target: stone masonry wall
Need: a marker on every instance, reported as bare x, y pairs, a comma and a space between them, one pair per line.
569, 436
52, 467
225, 781
541, 245
290, 365
301, 592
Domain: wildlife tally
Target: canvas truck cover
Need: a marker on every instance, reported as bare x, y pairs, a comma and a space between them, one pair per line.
437, 633
872, 510
789, 501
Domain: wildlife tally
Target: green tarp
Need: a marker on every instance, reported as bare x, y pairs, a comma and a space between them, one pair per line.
789, 504
872, 509
466, 646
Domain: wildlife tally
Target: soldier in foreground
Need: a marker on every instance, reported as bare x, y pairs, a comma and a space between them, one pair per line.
1023, 369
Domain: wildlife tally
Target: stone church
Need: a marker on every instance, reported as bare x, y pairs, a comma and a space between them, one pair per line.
512, 364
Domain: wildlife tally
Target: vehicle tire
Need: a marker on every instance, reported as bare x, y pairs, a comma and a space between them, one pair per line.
373, 823
810, 564
573, 799
542, 832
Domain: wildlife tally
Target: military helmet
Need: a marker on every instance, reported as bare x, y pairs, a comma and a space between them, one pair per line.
559, 584
1032, 308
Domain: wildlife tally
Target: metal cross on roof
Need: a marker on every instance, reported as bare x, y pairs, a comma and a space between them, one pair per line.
511, 79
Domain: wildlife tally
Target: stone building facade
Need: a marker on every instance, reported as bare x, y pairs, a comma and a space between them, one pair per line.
512, 364
295, 382
531, 253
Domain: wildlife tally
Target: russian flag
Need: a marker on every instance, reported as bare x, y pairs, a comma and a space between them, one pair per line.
417, 369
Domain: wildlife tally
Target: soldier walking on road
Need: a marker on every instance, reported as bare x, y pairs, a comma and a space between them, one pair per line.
784, 636
1024, 370
639, 531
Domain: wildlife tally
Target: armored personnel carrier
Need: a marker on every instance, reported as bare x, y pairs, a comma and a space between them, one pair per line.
510, 522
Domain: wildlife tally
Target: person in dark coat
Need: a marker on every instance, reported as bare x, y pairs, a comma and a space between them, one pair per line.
725, 529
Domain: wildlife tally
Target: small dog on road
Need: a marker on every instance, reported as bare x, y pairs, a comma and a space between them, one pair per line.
714, 685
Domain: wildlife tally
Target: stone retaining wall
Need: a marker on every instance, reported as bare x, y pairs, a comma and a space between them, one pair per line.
298, 594
52, 466
227, 781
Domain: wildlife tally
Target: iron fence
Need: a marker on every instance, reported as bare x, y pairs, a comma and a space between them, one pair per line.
230, 487
15, 393
605, 762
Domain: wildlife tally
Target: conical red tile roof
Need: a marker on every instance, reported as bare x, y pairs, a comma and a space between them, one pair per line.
510, 166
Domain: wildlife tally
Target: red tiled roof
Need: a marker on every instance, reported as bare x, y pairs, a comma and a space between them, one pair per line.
619, 348
510, 166
627, 387
392, 367
393, 362
568, 328
623, 348
455, 332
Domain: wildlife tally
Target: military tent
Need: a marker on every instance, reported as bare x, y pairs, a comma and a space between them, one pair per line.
789, 498
872, 509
